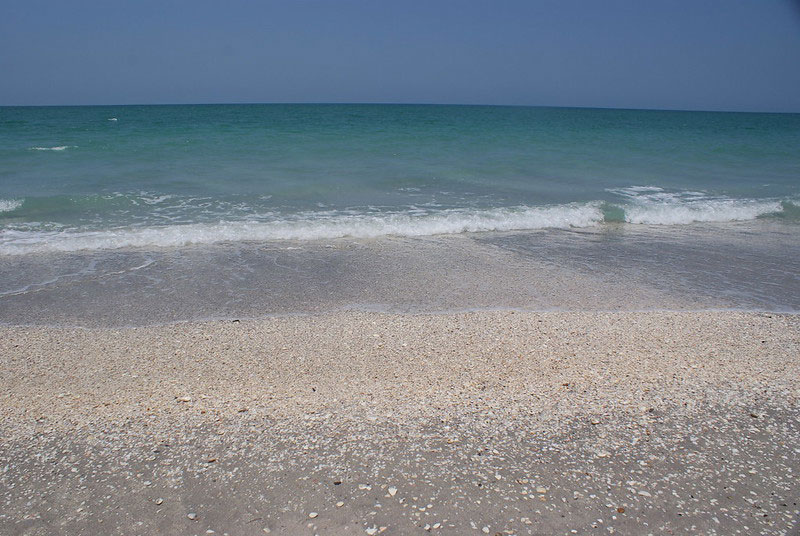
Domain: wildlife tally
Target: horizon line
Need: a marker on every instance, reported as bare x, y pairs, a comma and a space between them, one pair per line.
351, 103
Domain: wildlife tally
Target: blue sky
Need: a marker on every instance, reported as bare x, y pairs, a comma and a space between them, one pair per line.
680, 54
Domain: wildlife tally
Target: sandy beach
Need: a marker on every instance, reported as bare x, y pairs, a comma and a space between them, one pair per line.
399, 268
365, 423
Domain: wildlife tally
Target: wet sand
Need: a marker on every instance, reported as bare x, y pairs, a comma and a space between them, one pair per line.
366, 423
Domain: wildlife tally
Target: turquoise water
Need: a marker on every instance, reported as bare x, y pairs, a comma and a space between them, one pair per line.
136, 215
96, 178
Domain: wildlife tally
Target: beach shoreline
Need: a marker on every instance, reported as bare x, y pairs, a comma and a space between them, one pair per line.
613, 268
371, 399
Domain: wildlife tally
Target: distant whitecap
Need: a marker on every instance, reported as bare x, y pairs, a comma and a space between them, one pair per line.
56, 148
7, 205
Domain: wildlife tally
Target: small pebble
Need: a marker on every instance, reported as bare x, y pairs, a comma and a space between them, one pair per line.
192, 516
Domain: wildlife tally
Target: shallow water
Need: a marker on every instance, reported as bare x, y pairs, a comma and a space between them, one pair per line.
746, 266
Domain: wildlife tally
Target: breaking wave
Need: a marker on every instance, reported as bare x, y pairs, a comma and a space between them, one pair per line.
308, 226
173, 221
655, 206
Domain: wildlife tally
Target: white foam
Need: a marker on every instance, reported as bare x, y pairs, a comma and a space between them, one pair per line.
7, 205
656, 206
112, 119
719, 210
633, 190
154, 199
56, 148
309, 226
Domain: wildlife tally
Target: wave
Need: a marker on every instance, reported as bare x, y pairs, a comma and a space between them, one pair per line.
9, 205
655, 206
56, 148
719, 211
172, 221
307, 226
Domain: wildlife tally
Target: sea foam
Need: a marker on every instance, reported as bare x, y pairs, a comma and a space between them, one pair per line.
655, 206
307, 226
643, 205
7, 205
718, 210
56, 148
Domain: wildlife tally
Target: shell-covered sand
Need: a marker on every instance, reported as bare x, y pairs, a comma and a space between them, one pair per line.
512, 422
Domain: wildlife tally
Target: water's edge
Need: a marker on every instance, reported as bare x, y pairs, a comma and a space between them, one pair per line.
749, 266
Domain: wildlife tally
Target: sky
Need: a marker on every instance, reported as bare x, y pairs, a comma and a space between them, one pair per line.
738, 55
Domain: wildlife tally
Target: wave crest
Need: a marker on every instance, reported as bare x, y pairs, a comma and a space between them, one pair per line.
655, 206
643, 205
721, 210
307, 227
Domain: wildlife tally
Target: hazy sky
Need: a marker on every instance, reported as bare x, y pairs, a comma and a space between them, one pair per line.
686, 54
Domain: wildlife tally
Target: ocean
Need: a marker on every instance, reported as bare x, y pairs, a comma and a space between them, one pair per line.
130, 215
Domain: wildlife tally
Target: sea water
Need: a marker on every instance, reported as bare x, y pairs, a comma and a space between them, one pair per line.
244, 210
